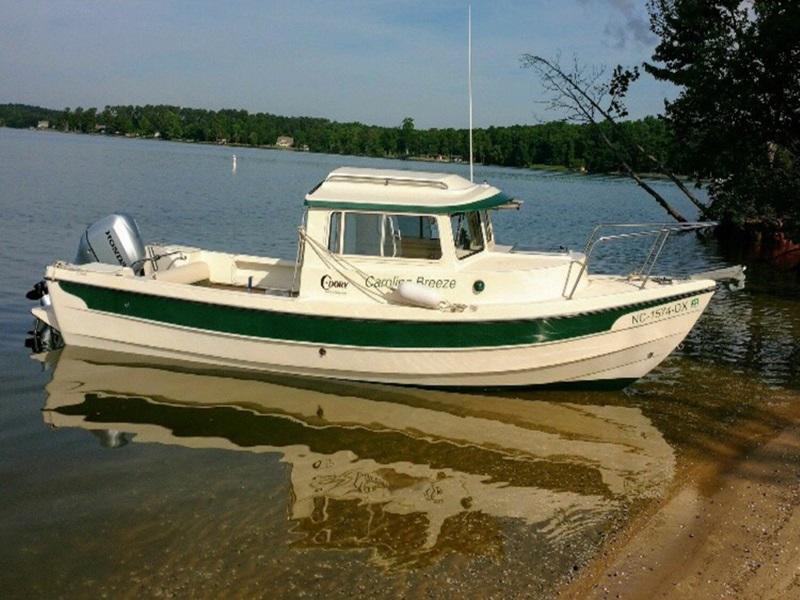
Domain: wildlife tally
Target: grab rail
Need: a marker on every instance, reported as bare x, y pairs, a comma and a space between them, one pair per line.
661, 231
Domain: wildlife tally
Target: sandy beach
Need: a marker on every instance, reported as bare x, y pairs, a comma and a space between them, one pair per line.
729, 528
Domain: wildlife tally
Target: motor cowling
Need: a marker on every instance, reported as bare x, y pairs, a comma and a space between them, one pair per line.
114, 240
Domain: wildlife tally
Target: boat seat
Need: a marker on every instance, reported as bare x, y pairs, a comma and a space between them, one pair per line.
418, 248
191, 273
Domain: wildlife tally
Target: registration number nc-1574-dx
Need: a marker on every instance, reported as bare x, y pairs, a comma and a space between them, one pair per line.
666, 311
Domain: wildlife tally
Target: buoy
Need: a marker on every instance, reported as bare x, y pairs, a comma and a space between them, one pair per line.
419, 295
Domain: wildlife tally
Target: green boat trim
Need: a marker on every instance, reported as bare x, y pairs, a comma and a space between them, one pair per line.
339, 331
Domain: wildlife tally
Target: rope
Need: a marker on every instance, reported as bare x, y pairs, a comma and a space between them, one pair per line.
342, 266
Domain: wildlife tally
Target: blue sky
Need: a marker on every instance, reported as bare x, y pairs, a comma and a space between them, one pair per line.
373, 61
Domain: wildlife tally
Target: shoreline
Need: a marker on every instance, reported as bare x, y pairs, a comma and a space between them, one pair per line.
556, 169
728, 527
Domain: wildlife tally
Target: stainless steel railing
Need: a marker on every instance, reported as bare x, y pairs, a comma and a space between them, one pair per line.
659, 231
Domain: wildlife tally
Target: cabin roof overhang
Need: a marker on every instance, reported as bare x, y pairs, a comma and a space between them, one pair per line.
402, 192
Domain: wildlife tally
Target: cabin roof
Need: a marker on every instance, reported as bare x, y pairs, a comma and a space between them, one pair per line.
349, 188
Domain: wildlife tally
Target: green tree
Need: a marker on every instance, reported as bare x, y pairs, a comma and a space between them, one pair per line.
89, 120
737, 116
170, 124
76, 118
145, 126
407, 136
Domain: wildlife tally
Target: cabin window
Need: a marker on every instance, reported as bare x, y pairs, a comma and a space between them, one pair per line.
363, 234
397, 236
413, 237
467, 233
334, 231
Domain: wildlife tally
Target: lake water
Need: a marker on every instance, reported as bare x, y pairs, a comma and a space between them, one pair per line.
132, 478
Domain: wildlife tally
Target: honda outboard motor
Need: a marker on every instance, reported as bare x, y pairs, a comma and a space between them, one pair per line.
114, 240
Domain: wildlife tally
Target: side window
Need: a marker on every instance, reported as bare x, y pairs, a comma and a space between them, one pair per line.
467, 233
398, 236
415, 237
334, 231
363, 234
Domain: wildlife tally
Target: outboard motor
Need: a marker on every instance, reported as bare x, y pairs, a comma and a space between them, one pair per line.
112, 438
114, 240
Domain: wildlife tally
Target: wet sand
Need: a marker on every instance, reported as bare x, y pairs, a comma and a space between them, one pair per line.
729, 528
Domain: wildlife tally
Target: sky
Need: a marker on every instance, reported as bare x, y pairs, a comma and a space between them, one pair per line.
374, 61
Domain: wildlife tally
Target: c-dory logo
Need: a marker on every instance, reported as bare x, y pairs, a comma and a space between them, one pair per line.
329, 284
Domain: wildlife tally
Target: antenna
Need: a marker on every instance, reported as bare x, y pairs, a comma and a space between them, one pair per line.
469, 84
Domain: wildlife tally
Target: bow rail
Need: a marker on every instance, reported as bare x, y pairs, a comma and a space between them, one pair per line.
659, 231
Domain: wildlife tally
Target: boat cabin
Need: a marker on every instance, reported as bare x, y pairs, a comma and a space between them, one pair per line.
368, 232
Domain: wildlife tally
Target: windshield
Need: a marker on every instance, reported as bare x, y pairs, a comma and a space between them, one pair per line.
467, 233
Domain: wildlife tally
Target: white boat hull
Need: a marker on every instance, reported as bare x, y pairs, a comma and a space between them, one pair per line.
635, 343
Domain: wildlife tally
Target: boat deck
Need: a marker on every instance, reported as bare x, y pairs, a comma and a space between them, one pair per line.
598, 286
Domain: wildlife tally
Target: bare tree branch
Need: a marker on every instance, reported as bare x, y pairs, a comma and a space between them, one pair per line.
582, 95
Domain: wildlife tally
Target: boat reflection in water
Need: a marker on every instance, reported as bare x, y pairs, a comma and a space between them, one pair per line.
404, 472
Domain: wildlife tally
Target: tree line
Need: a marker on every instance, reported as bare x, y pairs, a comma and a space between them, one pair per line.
737, 66
557, 143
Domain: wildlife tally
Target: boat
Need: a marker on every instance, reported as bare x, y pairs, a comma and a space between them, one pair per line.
398, 279
410, 474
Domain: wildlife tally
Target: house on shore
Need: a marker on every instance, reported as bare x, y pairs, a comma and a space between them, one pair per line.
284, 141
43, 124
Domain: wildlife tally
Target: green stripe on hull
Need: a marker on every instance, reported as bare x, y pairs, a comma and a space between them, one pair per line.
349, 332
